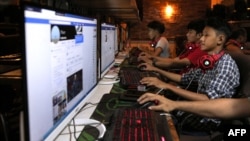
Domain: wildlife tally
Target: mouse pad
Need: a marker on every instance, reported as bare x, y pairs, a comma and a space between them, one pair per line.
108, 103
104, 110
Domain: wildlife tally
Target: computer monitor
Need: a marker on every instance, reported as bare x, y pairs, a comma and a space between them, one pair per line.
60, 68
116, 40
107, 47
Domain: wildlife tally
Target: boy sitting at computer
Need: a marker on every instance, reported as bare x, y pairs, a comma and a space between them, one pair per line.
187, 58
217, 75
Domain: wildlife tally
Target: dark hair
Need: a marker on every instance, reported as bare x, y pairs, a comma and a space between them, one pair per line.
197, 25
157, 25
219, 25
238, 32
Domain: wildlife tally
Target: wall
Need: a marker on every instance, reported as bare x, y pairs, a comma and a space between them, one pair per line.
154, 10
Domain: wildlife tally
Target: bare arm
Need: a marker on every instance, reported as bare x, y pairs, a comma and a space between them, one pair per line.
152, 81
217, 108
158, 51
172, 76
173, 63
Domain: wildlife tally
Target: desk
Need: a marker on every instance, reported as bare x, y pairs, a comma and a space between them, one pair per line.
99, 91
87, 111
95, 97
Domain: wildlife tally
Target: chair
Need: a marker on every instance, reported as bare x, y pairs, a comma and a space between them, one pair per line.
243, 63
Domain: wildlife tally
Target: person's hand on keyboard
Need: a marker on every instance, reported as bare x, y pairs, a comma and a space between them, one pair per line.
160, 102
153, 81
147, 67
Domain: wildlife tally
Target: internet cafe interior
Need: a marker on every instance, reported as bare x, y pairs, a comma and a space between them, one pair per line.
62, 65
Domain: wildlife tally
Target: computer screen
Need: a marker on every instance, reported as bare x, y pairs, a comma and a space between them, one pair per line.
60, 68
107, 47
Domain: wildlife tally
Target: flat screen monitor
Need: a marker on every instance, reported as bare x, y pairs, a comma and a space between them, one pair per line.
116, 41
107, 47
60, 68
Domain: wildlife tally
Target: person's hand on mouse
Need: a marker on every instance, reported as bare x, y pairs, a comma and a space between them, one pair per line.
163, 104
145, 57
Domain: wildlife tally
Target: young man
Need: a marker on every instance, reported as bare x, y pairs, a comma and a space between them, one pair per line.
159, 43
187, 59
217, 76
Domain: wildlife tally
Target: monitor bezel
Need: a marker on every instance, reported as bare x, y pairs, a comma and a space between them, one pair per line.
54, 131
108, 67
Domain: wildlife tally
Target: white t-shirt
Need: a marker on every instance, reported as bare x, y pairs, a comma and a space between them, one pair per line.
163, 43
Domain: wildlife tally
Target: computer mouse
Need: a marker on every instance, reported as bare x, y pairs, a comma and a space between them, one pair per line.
147, 104
142, 68
144, 105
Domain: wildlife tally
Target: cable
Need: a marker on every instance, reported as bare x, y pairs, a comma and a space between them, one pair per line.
95, 124
86, 104
85, 122
158, 92
89, 122
189, 83
74, 128
69, 132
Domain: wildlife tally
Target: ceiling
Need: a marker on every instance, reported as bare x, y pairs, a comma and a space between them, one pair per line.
124, 10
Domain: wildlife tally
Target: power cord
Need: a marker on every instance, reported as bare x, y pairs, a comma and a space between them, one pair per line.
85, 122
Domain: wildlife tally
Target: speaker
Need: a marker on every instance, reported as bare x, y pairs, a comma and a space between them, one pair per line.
207, 62
191, 46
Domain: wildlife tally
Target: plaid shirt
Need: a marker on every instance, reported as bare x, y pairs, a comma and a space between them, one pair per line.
219, 82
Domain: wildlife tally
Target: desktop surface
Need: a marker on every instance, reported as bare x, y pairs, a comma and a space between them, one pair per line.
100, 106
104, 111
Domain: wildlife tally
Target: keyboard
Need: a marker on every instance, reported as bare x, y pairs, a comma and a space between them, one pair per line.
130, 78
131, 124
